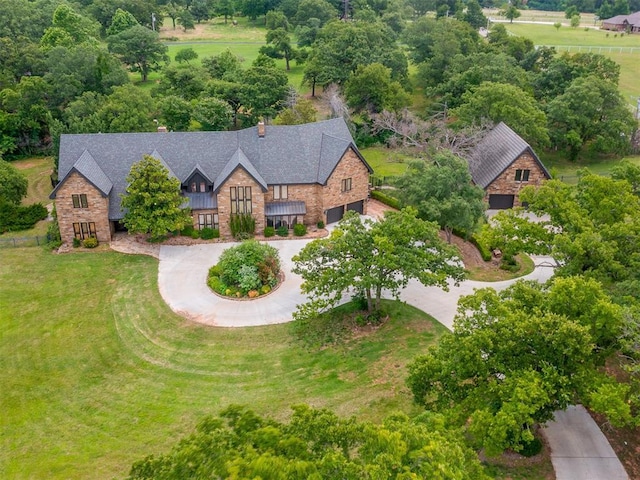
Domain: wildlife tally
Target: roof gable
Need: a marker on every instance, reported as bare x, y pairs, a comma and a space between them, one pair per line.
238, 160
495, 152
88, 168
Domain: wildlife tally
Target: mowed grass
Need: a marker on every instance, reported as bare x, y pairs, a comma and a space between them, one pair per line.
37, 170
97, 372
549, 35
386, 162
567, 171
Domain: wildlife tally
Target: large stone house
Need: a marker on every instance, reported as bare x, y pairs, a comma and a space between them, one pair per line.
623, 23
281, 175
502, 163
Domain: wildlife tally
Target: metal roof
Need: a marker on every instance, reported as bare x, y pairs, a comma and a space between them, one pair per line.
495, 152
285, 208
201, 201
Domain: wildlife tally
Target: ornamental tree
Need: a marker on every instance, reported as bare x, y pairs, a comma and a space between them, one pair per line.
442, 192
372, 256
152, 202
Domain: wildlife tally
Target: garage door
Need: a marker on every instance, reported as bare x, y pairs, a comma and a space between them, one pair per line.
335, 214
501, 201
356, 207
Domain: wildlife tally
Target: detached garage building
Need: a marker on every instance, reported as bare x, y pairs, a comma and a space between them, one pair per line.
502, 163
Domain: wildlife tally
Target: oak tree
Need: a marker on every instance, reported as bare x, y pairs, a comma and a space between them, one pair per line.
371, 256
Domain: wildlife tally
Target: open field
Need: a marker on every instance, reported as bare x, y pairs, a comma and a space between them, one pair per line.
98, 372
541, 16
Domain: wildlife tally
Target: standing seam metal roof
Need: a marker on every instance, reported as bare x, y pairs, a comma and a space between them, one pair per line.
495, 152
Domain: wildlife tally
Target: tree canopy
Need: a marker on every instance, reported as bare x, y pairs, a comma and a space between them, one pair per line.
139, 48
516, 356
13, 184
152, 202
315, 443
441, 190
372, 256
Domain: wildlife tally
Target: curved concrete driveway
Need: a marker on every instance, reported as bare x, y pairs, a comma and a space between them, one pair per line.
182, 282
182, 277
579, 450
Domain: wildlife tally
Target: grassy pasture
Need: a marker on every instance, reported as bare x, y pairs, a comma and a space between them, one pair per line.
97, 372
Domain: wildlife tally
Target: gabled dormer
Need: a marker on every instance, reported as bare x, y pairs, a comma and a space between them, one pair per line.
197, 181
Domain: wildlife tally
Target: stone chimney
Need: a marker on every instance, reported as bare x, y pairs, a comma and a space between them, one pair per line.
261, 129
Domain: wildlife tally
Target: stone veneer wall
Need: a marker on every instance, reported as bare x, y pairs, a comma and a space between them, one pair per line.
97, 211
311, 195
506, 182
240, 178
350, 166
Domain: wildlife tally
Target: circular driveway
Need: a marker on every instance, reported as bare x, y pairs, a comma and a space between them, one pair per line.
182, 275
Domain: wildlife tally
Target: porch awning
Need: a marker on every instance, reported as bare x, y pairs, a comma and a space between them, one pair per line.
285, 208
201, 201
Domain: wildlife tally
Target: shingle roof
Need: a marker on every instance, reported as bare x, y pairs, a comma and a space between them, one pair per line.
633, 19
495, 152
287, 154
89, 169
237, 160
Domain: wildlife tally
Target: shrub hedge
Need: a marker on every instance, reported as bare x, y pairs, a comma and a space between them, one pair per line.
299, 230
16, 217
386, 199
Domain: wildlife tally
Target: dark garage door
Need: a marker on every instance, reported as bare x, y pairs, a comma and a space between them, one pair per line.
335, 214
356, 207
501, 201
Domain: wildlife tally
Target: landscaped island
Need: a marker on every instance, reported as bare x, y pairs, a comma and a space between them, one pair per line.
248, 270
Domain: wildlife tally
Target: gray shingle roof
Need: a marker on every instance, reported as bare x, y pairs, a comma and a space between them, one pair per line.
238, 159
287, 154
633, 19
495, 152
89, 169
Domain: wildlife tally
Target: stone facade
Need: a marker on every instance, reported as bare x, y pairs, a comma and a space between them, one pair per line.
506, 183
349, 167
240, 178
97, 210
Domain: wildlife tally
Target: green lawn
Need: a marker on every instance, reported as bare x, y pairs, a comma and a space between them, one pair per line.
37, 171
97, 372
567, 171
386, 162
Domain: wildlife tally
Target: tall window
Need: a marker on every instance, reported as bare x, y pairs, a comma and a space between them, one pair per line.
209, 220
346, 184
240, 200
280, 192
84, 230
79, 201
522, 175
